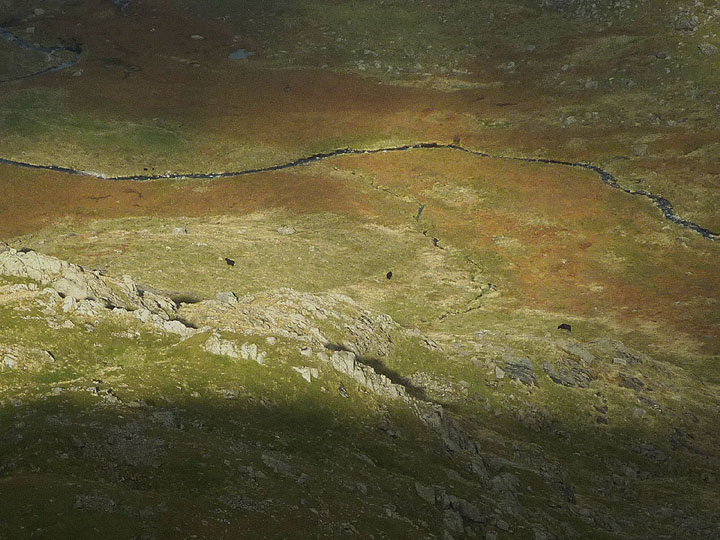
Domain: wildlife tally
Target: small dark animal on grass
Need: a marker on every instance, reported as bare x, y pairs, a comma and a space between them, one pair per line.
389, 275
565, 326
230, 262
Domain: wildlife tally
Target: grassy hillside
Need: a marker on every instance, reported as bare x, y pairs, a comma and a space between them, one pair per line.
428, 343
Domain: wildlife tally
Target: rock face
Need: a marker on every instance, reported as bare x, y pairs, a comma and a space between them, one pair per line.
346, 362
287, 313
520, 369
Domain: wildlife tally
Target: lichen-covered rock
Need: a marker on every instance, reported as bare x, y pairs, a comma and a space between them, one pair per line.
221, 347
90, 291
17, 357
520, 368
227, 297
307, 373
568, 375
687, 21
577, 350
346, 362
69, 280
708, 49
250, 351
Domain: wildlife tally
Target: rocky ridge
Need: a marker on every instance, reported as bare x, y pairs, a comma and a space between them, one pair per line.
332, 334
282, 314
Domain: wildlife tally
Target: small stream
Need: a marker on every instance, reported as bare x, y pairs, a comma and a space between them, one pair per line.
660, 202
51, 53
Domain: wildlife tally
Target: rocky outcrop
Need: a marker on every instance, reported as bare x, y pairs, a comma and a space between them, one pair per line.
221, 347
68, 279
312, 319
23, 358
568, 375
89, 291
520, 369
347, 362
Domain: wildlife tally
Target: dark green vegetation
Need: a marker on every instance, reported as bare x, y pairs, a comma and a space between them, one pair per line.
300, 393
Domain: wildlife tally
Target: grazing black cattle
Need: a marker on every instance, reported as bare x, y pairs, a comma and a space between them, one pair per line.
230, 262
565, 326
389, 275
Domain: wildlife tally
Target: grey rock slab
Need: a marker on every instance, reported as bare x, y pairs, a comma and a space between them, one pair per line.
24, 358
346, 362
228, 298
577, 350
177, 327
571, 376
631, 382
506, 484
520, 369
307, 373
9, 361
221, 347
611, 350
426, 493
650, 451
250, 351
687, 22
453, 520
71, 280
708, 49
